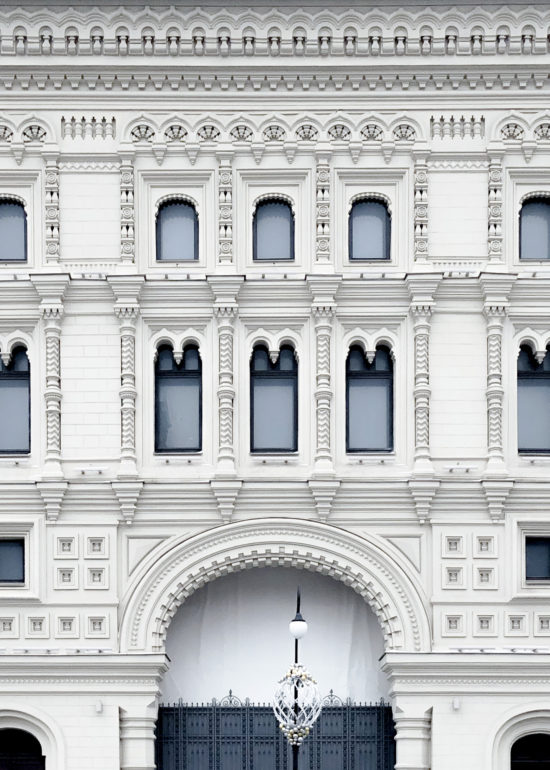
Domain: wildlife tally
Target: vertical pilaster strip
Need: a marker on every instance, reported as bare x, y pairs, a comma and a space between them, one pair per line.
51, 190
225, 208
495, 243
322, 221
127, 212
420, 208
323, 392
226, 391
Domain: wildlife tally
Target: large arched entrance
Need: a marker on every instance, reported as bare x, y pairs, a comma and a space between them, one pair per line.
19, 750
531, 752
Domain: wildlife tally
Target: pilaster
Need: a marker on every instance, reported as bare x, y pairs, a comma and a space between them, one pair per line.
322, 220
51, 195
495, 243
127, 213
225, 207
420, 205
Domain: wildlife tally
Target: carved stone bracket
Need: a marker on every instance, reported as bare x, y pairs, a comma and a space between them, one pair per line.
51, 194
494, 244
225, 207
323, 492
51, 289
322, 218
496, 494
52, 493
127, 212
423, 492
126, 290
127, 494
420, 207
226, 493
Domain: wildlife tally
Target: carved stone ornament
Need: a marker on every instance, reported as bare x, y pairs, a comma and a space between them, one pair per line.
339, 132
404, 132
274, 134
372, 133
242, 133
6, 134
34, 133
142, 133
175, 133
512, 131
208, 133
307, 133
543, 131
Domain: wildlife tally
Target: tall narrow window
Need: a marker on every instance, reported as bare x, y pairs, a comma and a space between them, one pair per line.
273, 231
13, 231
369, 230
369, 397
274, 401
177, 232
178, 401
533, 402
534, 229
15, 415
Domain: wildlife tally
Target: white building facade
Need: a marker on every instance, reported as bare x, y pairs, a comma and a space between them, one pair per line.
424, 131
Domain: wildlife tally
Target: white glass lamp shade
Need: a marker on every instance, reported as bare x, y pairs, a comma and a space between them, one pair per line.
297, 627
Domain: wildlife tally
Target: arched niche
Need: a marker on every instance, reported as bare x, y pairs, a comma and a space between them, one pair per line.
232, 634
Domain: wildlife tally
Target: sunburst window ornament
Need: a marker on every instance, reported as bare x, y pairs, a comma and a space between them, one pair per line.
297, 702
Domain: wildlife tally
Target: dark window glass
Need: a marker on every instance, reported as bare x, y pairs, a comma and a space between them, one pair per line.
12, 561
178, 401
13, 232
534, 229
537, 558
15, 415
532, 752
273, 231
274, 402
533, 402
369, 230
369, 401
177, 232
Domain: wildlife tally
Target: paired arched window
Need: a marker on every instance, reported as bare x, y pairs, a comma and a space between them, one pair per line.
534, 229
273, 231
15, 407
531, 752
177, 232
369, 230
273, 401
533, 402
369, 401
13, 231
178, 401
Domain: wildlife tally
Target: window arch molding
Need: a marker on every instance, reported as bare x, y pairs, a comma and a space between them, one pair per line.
16, 339
365, 197
539, 227
176, 198
533, 195
42, 727
537, 343
275, 197
12, 198
178, 342
518, 724
273, 342
369, 342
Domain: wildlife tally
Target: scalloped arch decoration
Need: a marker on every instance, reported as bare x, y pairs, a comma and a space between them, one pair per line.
369, 565
9, 342
369, 341
273, 341
537, 340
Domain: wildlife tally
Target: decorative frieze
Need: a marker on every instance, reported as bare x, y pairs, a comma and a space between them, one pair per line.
51, 194
225, 208
421, 208
322, 243
495, 206
127, 212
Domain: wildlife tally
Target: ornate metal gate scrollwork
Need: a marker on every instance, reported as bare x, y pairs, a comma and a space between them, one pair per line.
231, 734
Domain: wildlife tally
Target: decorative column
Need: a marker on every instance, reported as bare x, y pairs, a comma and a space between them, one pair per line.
127, 213
496, 290
420, 206
421, 289
51, 194
225, 207
225, 290
51, 289
137, 739
322, 215
495, 205
126, 290
322, 316
412, 741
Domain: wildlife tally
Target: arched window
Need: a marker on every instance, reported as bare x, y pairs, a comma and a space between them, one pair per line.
534, 229
369, 401
177, 232
533, 402
178, 401
532, 752
15, 413
273, 231
20, 749
13, 231
273, 401
369, 230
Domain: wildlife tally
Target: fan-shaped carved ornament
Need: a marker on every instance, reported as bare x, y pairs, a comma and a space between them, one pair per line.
372, 133
404, 133
34, 133
242, 133
208, 133
543, 131
307, 133
512, 131
6, 134
142, 133
274, 134
339, 131
175, 133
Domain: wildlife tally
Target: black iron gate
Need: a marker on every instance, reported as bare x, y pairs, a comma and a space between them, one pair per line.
231, 735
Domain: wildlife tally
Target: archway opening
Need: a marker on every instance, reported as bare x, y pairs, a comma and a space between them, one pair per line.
20, 750
532, 752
